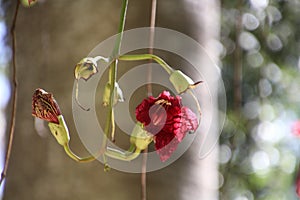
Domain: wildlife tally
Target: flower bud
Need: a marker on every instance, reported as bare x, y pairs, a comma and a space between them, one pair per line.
85, 69
60, 131
44, 106
28, 3
140, 137
118, 94
182, 82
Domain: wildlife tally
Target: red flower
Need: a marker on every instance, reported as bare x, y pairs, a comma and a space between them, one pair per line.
44, 106
296, 128
167, 120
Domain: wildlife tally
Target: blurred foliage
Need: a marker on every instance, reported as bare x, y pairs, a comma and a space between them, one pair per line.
259, 156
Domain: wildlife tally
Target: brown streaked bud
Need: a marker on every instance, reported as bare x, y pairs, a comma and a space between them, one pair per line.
44, 106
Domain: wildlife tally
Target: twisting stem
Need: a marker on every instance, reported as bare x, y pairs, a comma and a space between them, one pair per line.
127, 156
14, 96
157, 59
77, 158
196, 101
76, 97
116, 50
113, 73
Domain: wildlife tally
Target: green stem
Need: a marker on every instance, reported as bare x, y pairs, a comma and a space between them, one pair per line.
76, 97
196, 101
117, 47
113, 73
147, 57
113, 126
131, 148
127, 156
77, 158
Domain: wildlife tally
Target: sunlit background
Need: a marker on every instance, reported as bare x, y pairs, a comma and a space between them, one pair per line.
259, 156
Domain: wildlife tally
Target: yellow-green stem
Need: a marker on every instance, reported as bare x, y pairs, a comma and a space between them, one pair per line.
113, 126
113, 74
127, 156
77, 158
157, 59
196, 101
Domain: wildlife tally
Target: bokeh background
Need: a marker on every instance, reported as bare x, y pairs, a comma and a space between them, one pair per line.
256, 45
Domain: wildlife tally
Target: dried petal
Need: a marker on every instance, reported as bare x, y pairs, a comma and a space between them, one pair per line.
85, 69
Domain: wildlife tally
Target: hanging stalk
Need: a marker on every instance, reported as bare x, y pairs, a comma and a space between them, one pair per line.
14, 95
110, 123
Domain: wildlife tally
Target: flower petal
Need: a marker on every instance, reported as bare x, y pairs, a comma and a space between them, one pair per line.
166, 119
189, 122
85, 69
165, 145
142, 112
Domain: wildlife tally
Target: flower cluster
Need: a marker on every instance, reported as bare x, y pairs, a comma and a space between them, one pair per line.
167, 120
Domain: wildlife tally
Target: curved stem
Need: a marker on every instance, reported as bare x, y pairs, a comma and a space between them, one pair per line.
97, 58
196, 101
113, 126
14, 96
72, 155
117, 47
124, 156
76, 98
113, 73
157, 59
131, 148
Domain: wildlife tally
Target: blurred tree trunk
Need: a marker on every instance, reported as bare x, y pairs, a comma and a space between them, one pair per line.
51, 38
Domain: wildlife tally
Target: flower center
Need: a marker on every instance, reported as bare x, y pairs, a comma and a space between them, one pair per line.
163, 102
160, 115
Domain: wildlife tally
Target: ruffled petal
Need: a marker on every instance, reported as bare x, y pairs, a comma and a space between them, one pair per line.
189, 122
165, 118
165, 145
